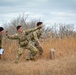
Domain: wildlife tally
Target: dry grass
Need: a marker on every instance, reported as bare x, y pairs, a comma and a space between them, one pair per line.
63, 64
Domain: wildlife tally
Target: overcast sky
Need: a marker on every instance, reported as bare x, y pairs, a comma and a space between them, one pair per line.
49, 11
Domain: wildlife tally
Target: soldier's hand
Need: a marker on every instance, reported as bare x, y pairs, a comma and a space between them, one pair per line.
6, 33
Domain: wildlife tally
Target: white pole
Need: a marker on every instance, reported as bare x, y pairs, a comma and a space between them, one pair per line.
52, 53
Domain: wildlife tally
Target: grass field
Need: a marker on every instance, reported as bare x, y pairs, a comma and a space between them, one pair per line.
63, 64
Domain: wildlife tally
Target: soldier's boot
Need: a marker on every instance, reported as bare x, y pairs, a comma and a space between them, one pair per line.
30, 57
27, 58
40, 53
17, 59
33, 55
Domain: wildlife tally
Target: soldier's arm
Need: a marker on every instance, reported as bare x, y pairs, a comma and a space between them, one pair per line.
15, 36
30, 30
33, 29
12, 36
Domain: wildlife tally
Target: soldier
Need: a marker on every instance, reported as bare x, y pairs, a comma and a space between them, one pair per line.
1, 32
22, 36
34, 36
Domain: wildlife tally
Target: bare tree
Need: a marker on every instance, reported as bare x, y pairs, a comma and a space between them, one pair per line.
66, 30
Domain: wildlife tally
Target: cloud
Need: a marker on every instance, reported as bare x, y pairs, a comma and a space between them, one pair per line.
63, 14
10, 16
49, 11
60, 17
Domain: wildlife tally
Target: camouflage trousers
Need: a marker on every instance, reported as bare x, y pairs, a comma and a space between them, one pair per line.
33, 51
38, 46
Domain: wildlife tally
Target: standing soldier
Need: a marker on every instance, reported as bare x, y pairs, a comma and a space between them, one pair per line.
1, 32
24, 43
34, 36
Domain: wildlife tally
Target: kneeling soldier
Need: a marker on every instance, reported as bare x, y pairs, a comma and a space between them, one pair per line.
1, 50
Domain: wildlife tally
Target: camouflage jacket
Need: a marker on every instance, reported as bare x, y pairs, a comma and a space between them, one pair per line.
0, 41
22, 37
34, 36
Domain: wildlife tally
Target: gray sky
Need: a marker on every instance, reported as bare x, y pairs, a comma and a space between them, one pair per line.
49, 11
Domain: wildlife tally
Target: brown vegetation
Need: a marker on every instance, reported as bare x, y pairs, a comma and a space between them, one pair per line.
62, 40
63, 64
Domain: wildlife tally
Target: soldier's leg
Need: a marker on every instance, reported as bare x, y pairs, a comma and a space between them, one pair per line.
19, 53
0, 56
39, 48
33, 51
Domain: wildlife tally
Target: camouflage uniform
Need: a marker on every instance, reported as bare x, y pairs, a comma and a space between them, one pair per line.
0, 43
34, 37
24, 43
